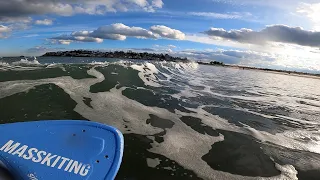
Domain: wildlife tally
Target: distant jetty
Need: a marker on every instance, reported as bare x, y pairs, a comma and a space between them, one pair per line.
116, 54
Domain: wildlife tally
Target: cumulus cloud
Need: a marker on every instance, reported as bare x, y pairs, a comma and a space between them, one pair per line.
99, 34
88, 39
45, 22
141, 3
123, 30
12, 9
4, 31
120, 31
273, 33
167, 32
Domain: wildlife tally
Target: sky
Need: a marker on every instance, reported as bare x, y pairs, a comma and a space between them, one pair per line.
280, 34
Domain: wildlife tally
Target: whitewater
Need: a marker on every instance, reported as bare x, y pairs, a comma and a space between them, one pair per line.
180, 120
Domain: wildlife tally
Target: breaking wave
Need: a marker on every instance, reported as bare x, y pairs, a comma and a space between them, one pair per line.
196, 111
26, 62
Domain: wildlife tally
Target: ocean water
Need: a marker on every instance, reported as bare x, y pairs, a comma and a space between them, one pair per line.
180, 120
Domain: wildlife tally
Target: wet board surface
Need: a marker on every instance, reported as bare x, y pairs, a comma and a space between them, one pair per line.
61, 150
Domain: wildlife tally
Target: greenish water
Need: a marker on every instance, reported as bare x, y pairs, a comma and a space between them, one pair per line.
180, 120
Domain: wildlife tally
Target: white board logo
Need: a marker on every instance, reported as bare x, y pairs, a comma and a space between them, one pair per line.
32, 177
45, 158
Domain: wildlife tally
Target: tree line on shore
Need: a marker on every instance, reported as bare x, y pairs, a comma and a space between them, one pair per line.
116, 54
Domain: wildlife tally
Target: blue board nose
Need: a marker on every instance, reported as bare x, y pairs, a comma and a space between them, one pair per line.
54, 150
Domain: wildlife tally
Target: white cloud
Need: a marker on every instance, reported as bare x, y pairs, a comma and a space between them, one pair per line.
81, 33
120, 31
164, 48
167, 32
157, 3
45, 22
312, 12
4, 31
169, 50
200, 38
232, 15
64, 42
272, 55
90, 9
283, 4
113, 37
67, 39
88, 39
228, 56
30, 35
141, 3
290, 12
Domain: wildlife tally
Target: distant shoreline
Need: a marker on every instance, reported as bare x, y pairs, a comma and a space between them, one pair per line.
116, 54
163, 57
293, 73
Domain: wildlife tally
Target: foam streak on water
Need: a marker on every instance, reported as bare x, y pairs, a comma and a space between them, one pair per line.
199, 101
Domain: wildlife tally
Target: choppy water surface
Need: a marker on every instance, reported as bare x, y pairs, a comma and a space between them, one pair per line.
180, 120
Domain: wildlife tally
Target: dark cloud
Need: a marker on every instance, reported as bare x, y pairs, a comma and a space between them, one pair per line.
15, 9
24, 8
274, 33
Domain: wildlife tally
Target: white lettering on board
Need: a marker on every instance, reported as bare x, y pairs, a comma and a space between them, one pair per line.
44, 158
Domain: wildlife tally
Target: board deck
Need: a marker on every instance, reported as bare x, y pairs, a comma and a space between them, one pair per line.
52, 150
